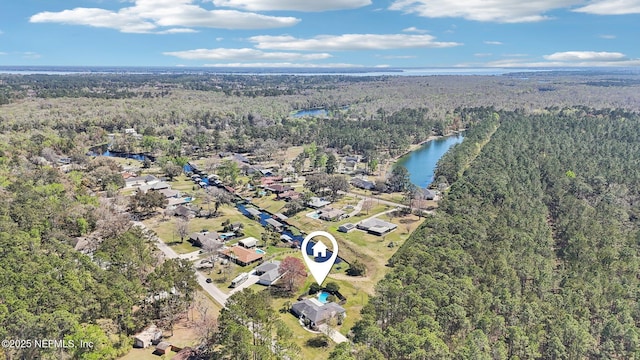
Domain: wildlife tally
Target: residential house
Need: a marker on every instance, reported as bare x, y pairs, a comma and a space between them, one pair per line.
241, 158
315, 312
204, 238
156, 186
317, 203
289, 195
242, 256
183, 211
278, 188
169, 193
330, 214
270, 180
349, 167
174, 202
141, 180
269, 273
428, 194
147, 337
363, 184
376, 226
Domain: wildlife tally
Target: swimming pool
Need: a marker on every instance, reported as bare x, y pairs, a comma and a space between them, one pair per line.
225, 236
322, 296
314, 215
260, 251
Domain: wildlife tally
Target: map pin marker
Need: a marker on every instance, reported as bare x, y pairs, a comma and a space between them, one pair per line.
319, 270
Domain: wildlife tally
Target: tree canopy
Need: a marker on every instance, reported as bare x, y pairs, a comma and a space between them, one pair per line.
533, 252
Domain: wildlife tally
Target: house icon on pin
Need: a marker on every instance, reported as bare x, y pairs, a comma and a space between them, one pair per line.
319, 250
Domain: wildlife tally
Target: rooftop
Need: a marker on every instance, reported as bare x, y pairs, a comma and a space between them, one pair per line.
243, 255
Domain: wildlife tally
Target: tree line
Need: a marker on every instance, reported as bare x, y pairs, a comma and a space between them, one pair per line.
532, 254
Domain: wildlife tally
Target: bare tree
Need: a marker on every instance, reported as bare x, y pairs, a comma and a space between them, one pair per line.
182, 228
367, 205
212, 247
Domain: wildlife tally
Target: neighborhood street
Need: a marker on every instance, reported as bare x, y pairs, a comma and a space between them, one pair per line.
217, 294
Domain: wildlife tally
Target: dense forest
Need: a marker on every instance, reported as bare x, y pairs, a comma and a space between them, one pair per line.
52, 291
534, 252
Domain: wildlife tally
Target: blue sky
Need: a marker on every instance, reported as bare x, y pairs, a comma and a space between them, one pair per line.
321, 33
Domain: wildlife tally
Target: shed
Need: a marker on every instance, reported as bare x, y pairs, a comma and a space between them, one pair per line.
162, 348
147, 337
345, 228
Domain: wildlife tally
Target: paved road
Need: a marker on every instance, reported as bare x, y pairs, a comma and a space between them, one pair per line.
357, 208
381, 201
217, 294
253, 279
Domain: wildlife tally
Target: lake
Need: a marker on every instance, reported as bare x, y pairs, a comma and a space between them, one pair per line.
421, 162
311, 112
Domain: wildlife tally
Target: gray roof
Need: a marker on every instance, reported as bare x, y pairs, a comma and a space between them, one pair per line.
203, 238
375, 222
316, 202
254, 212
273, 222
316, 313
376, 226
269, 277
268, 266
346, 227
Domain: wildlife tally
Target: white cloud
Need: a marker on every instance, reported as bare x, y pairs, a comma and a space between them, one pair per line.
493, 42
295, 5
397, 56
2, 53
146, 16
347, 42
611, 7
585, 56
243, 54
607, 36
504, 11
292, 65
178, 31
31, 55
482, 54
414, 29
97, 18
571, 59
